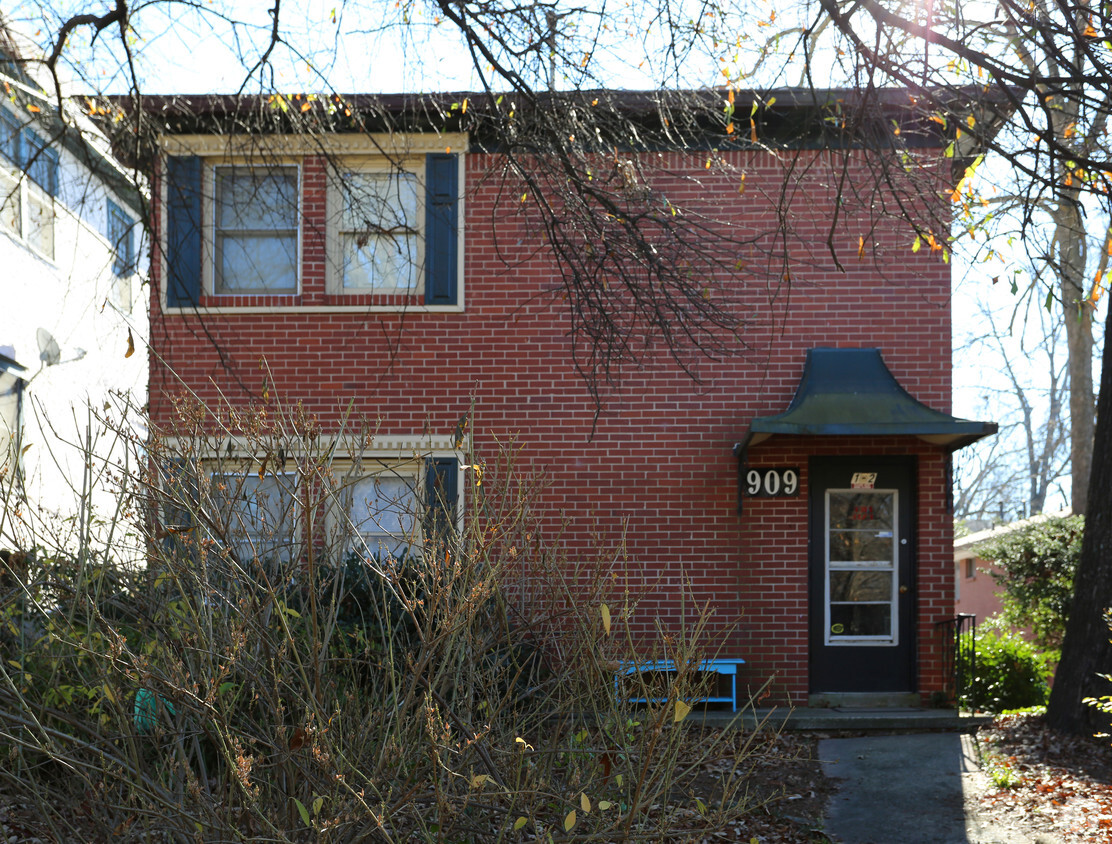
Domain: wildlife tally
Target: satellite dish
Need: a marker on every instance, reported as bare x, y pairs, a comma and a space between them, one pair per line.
49, 350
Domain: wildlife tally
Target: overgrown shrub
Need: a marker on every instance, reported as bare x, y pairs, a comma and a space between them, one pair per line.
1010, 673
1038, 563
465, 693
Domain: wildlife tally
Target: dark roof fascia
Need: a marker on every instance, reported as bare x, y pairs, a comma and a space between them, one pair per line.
668, 119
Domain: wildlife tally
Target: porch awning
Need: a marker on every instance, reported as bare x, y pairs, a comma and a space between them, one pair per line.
850, 392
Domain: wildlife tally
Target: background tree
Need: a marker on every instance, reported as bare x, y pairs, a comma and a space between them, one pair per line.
1016, 364
1052, 62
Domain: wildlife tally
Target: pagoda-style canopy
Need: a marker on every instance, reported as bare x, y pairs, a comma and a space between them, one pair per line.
851, 393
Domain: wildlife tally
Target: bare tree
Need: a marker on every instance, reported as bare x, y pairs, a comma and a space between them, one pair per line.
1021, 377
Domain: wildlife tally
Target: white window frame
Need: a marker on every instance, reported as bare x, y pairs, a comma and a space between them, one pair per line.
412, 166
209, 256
893, 569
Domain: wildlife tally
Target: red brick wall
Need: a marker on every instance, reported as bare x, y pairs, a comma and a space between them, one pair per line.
657, 469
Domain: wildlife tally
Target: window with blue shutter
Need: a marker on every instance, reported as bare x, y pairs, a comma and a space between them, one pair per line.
183, 231
441, 229
381, 240
441, 499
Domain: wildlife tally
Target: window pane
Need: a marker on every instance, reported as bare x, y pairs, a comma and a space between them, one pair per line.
256, 198
854, 546
382, 262
259, 513
380, 201
256, 263
379, 231
256, 230
11, 214
119, 238
861, 510
861, 619
383, 514
9, 137
40, 162
860, 586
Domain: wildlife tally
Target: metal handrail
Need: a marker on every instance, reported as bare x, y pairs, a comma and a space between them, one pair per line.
959, 654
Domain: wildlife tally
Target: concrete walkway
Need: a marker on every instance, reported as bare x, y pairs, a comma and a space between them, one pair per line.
907, 789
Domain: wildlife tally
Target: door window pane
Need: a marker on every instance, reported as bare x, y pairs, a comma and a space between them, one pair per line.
860, 620
860, 586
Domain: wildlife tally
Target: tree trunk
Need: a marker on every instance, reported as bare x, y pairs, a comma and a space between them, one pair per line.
1070, 235
1086, 650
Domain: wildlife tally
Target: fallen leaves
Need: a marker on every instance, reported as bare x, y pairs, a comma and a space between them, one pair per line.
1061, 784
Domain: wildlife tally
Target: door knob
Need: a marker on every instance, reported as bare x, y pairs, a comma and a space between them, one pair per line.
903, 590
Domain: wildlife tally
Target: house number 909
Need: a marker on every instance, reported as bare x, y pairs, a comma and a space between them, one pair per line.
771, 483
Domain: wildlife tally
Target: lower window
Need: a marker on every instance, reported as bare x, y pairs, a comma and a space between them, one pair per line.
257, 516
381, 518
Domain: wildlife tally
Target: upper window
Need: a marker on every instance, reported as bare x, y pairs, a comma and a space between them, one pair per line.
379, 240
387, 235
255, 230
119, 238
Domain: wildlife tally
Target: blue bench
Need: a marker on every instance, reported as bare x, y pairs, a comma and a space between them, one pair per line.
724, 667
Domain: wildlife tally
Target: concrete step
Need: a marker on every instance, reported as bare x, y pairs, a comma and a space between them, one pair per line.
837, 718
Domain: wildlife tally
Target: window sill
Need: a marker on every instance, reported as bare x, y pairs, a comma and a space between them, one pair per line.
347, 305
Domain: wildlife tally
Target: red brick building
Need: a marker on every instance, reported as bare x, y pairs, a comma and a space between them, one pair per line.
821, 535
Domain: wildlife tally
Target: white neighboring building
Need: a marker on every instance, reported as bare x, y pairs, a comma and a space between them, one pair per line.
70, 307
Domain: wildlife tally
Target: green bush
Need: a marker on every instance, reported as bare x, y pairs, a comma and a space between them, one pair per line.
1038, 563
1010, 673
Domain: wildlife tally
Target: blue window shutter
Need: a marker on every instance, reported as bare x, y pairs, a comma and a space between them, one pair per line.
441, 498
183, 231
441, 228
